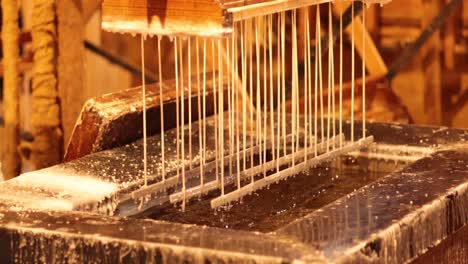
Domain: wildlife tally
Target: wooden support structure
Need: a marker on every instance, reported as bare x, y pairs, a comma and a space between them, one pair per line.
419, 86
190, 17
432, 105
165, 17
70, 63
11, 163
46, 149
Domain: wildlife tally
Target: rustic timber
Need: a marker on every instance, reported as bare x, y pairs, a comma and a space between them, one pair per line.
419, 86
70, 63
432, 26
165, 17
11, 163
115, 119
360, 226
47, 148
193, 17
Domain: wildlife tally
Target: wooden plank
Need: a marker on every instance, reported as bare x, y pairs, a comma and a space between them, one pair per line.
191, 17
70, 63
11, 162
419, 85
448, 44
373, 21
176, 17
115, 119
47, 147
432, 65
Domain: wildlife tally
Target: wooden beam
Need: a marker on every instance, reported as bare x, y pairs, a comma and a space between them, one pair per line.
449, 44
11, 162
70, 63
47, 148
107, 121
432, 66
23, 66
190, 17
176, 17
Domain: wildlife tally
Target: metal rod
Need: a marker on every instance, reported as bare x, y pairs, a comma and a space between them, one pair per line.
347, 17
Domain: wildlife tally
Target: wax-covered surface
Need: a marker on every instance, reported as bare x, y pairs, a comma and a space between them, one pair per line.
393, 219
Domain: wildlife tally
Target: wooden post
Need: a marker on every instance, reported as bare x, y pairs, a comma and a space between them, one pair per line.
449, 43
70, 63
432, 67
419, 85
46, 149
11, 163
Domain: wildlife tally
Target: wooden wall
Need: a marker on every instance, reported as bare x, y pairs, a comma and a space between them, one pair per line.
433, 86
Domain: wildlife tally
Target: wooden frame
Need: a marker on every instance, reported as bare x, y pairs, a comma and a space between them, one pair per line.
191, 17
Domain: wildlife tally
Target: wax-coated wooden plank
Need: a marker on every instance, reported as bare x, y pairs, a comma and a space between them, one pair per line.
176, 17
115, 119
191, 17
